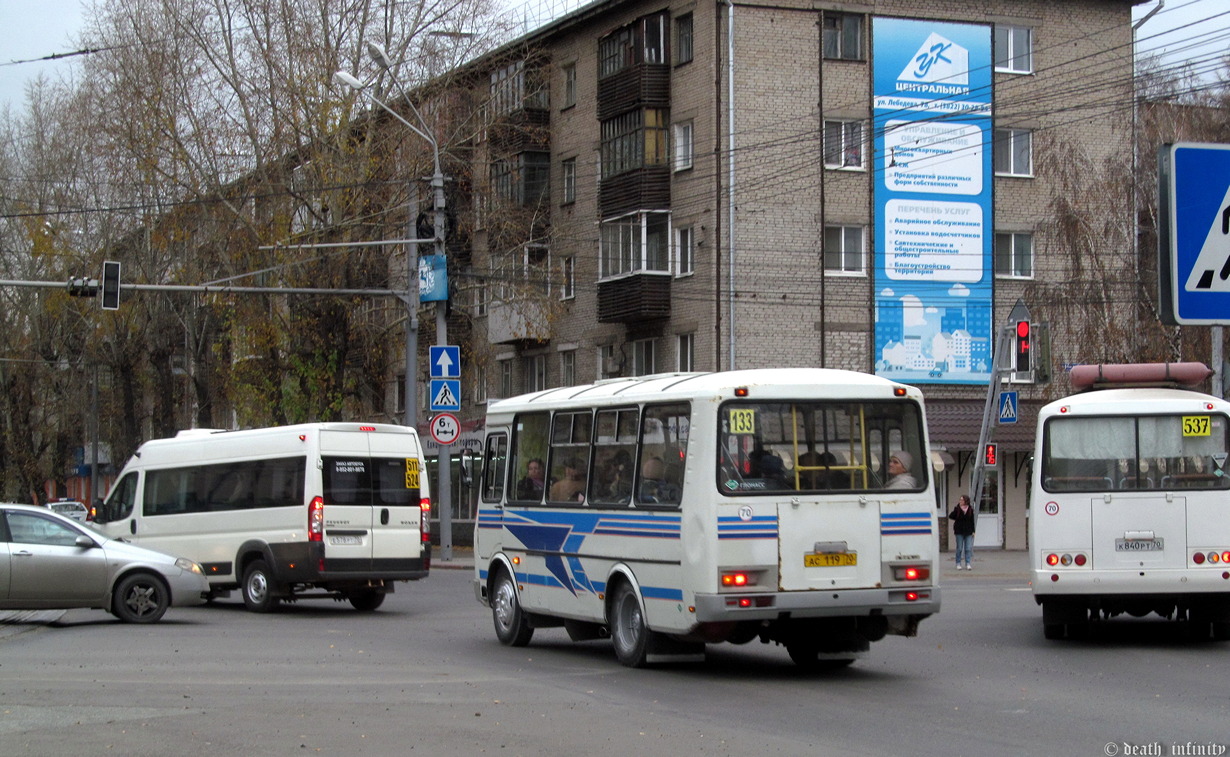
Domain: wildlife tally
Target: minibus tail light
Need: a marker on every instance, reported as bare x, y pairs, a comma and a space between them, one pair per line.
316, 519
425, 519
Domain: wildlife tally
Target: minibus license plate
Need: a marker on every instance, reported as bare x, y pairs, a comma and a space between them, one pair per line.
345, 539
1139, 545
830, 560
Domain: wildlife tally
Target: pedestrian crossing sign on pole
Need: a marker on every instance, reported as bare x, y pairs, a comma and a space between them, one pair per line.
445, 395
1194, 226
1007, 407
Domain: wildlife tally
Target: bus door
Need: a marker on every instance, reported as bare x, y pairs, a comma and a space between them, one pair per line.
1139, 530
828, 542
371, 493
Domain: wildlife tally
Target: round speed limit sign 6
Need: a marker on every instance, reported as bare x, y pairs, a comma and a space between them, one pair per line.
445, 428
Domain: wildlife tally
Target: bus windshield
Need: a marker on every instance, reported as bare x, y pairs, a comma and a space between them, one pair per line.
820, 446
1135, 452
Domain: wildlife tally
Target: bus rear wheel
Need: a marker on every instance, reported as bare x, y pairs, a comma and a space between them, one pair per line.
258, 590
365, 601
512, 627
629, 634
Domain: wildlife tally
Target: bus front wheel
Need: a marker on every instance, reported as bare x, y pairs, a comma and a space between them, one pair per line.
512, 628
629, 634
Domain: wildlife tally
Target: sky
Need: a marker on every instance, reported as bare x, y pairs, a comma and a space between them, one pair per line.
31, 30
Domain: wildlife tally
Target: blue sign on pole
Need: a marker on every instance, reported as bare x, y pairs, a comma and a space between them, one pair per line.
445, 361
1195, 276
1007, 407
445, 395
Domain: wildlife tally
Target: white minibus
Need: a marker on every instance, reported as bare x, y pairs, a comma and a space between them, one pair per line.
1130, 506
676, 510
293, 512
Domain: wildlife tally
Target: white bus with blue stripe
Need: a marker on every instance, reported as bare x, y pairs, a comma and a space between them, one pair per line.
677, 510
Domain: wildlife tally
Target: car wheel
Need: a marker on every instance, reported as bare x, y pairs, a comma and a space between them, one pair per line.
366, 601
512, 628
140, 598
629, 634
258, 588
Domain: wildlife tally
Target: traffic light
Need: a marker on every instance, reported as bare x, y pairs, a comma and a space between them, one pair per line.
82, 287
990, 456
1023, 343
111, 285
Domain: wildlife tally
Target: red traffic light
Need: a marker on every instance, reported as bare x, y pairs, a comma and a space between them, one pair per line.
991, 455
1022, 329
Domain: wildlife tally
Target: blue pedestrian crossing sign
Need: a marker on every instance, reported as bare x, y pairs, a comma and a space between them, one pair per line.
445, 395
1194, 264
445, 361
1007, 407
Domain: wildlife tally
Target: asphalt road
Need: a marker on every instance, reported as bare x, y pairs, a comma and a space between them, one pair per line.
425, 675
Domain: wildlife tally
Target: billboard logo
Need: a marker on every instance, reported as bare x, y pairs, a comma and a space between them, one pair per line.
938, 61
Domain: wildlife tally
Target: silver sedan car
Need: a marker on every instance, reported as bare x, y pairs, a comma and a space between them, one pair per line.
48, 561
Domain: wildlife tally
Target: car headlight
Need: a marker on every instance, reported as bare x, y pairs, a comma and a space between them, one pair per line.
184, 563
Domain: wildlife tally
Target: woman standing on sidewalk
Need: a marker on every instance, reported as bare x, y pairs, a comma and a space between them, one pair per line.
963, 521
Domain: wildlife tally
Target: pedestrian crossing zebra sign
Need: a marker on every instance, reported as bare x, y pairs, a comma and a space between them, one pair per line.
1194, 262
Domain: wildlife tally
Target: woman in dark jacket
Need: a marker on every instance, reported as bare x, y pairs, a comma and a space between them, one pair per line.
963, 518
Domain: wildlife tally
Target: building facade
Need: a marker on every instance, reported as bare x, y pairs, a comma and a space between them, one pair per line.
665, 186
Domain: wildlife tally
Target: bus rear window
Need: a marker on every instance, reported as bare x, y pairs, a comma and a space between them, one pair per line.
1135, 452
820, 446
373, 482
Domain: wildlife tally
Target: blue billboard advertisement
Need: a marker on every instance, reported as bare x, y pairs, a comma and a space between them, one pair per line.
934, 227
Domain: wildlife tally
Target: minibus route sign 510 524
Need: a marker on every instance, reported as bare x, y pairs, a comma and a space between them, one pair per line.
445, 428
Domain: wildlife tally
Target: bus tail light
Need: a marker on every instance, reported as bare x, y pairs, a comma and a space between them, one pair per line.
1067, 559
1080, 560
1212, 557
911, 572
738, 579
425, 519
1052, 559
316, 519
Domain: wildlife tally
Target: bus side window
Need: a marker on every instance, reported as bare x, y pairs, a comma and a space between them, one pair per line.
493, 467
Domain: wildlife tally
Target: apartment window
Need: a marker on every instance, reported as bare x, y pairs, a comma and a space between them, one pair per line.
1014, 255
642, 357
513, 88
634, 243
506, 378
683, 145
568, 169
568, 368
684, 251
481, 296
480, 384
843, 249
843, 144
568, 278
683, 38
1013, 49
642, 42
685, 352
570, 85
1013, 152
534, 372
843, 36
523, 179
634, 140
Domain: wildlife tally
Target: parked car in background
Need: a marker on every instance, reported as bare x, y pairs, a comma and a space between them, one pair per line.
68, 508
54, 562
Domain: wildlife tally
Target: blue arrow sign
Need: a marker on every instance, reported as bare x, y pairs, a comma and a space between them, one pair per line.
445, 361
1007, 407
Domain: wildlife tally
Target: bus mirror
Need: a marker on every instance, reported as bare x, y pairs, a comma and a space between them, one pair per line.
467, 467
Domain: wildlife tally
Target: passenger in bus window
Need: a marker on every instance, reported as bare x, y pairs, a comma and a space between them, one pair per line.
899, 466
530, 487
616, 482
570, 488
818, 479
654, 486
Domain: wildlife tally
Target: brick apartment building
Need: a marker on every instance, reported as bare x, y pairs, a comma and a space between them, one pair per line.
872, 186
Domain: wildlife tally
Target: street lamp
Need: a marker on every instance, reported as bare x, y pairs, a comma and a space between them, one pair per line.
443, 489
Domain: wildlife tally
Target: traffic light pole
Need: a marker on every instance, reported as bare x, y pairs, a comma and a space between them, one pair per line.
999, 369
